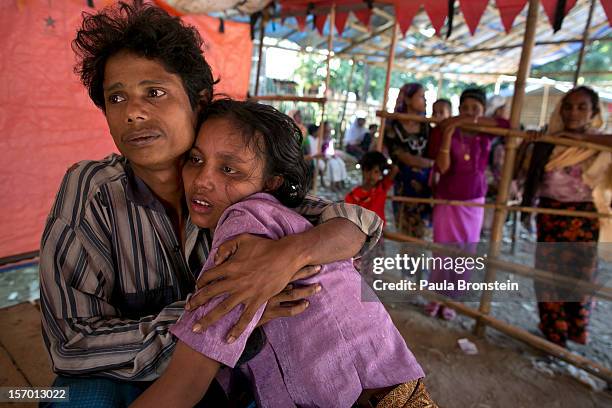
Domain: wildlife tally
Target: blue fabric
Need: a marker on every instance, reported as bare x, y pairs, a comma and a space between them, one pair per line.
97, 392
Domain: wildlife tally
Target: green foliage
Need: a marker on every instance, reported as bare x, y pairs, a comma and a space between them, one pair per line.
598, 57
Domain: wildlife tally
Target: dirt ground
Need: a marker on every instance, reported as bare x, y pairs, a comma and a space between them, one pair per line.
504, 373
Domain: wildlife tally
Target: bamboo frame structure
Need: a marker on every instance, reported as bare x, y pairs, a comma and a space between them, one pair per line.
497, 131
508, 329
289, 98
262, 29
510, 155
581, 286
381, 132
585, 40
330, 48
536, 210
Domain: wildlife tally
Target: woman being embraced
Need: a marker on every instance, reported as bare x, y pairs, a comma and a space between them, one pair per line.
245, 168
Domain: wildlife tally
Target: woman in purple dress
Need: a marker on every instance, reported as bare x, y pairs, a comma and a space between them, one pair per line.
245, 168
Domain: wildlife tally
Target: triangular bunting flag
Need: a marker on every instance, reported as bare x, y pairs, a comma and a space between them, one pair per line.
320, 20
437, 10
508, 10
607, 6
472, 12
405, 12
364, 16
550, 8
301, 22
340, 22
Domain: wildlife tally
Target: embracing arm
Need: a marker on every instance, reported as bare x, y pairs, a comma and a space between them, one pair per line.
251, 270
183, 383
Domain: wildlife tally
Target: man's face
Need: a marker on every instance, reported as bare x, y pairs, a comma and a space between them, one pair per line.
147, 111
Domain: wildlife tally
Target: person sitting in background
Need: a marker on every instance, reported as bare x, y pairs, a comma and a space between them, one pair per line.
354, 138
369, 138
334, 169
442, 109
296, 115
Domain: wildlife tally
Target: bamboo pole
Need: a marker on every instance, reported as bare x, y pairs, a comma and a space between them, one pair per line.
262, 27
536, 210
289, 98
585, 40
330, 49
581, 286
510, 155
524, 336
381, 132
499, 131
348, 89
544, 109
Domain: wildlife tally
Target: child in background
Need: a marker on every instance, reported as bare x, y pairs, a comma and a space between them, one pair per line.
245, 168
442, 109
372, 193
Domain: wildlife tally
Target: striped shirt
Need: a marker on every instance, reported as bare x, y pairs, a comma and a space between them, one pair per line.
114, 277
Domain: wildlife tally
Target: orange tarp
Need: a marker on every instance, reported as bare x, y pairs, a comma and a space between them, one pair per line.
47, 121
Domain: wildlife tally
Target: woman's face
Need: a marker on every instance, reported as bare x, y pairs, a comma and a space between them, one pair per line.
576, 111
471, 107
416, 102
220, 171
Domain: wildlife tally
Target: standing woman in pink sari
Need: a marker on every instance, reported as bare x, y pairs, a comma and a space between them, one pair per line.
461, 160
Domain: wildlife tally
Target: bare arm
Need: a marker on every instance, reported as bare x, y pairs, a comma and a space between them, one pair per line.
413, 160
443, 160
184, 382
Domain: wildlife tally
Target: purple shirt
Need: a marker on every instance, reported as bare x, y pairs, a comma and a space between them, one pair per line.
323, 357
465, 179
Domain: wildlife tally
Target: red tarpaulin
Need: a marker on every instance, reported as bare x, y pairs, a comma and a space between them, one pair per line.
47, 121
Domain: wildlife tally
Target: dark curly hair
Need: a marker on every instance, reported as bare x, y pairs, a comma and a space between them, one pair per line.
146, 31
371, 160
590, 93
275, 138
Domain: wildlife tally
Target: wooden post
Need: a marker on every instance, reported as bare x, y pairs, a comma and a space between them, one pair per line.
544, 108
585, 40
381, 132
330, 49
510, 156
262, 27
348, 89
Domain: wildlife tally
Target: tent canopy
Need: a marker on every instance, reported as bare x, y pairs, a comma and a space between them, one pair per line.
485, 25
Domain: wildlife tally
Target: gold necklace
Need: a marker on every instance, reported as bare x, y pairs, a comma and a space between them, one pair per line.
466, 155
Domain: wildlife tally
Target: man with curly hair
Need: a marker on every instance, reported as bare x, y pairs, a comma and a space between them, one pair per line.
119, 255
